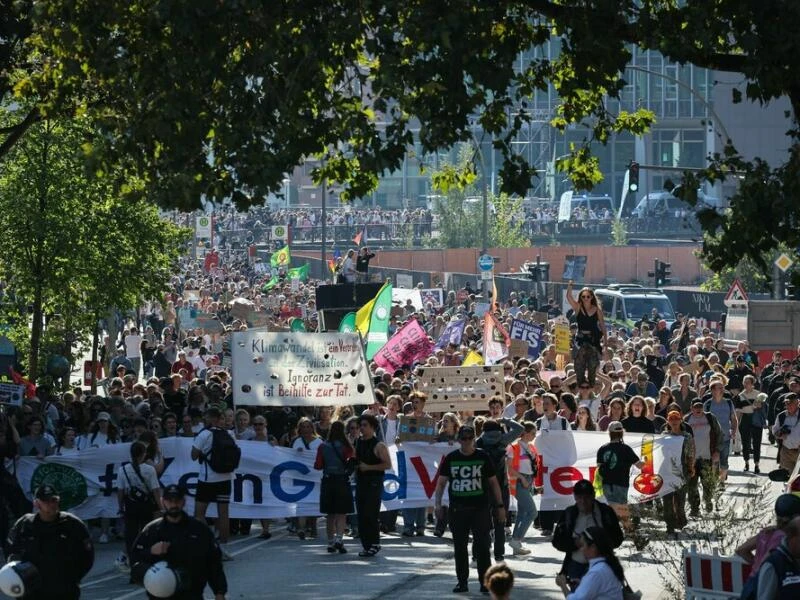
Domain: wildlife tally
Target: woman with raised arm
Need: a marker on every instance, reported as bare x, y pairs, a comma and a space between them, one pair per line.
591, 333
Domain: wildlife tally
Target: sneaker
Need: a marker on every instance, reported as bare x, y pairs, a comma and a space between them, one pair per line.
340, 548
461, 588
420, 532
103, 538
499, 558
331, 547
521, 550
122, 564
756, 470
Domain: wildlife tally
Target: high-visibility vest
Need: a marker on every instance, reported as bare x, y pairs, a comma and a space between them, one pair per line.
516, 454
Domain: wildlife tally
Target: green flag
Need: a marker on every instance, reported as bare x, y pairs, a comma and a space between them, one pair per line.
281, 258
348, 323
270, 284
300, 273
297, 325
375, 325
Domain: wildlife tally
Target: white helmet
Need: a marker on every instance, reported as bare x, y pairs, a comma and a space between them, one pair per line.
161, 581
18, 578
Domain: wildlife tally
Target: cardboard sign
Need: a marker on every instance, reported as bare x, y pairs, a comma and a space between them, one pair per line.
562, 338
11, 393
416, 429
433, 295
539, 317
518, 349
299, 369
451, 389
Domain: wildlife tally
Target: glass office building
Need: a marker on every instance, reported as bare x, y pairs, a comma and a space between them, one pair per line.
684, 133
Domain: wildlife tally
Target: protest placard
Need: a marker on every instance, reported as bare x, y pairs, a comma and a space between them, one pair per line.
530, 333
299, 369
518, 349
416, 429
11, 393
460, 388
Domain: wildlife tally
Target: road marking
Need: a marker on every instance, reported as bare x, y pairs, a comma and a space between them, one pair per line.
101, 580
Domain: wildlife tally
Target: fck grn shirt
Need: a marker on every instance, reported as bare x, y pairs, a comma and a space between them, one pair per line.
468, 478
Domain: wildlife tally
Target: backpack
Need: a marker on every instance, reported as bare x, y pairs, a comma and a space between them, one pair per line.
225, 455
779, 561
497, 454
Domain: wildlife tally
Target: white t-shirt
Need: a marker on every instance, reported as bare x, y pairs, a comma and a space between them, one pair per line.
203, 442
92, 440
132, 346
298, 444
391, 431
129, 479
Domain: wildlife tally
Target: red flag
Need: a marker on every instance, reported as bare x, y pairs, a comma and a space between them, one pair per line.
30, 388
360, 236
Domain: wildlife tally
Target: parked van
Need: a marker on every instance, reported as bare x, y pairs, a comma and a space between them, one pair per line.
668, 205
624, 304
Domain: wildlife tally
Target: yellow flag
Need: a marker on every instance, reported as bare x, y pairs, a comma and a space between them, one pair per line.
362, 317
472, 358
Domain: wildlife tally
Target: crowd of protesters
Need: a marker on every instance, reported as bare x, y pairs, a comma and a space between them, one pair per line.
167, 368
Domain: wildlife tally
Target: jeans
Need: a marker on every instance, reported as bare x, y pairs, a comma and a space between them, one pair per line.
587, 358
414, 519
526, 511
462, 522
368, 506
751, 439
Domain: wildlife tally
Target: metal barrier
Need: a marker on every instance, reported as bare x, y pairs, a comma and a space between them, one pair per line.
713, 576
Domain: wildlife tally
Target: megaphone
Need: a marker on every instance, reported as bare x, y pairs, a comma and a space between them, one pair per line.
18, 578
161, 581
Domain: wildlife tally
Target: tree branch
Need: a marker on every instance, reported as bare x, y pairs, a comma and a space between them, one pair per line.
18, 130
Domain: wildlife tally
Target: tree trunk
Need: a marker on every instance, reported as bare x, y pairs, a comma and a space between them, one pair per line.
95, 342
36, 334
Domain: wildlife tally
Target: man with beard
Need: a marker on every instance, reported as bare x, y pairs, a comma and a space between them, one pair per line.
186, 544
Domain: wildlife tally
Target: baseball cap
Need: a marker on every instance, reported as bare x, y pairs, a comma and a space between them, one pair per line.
45, 492
716, 382
466, 431
790, 397
103, 416
174, 492
615, 427
697, 403
673, 414
583, 488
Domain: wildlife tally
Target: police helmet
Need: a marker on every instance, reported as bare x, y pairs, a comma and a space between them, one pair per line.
161, 581
18, 578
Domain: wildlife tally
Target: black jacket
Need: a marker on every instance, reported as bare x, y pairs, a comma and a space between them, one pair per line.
192, 551
604, 516
62, 551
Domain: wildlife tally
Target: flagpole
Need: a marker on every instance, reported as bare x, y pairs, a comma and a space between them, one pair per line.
324, 226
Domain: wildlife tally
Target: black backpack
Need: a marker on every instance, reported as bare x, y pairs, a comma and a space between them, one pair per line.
225, 454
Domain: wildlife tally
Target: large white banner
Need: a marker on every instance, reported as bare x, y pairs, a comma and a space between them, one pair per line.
299, 369
279, 482
569, 456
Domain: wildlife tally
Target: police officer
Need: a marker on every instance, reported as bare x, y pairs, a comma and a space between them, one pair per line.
57, 543
470, 477
186, 544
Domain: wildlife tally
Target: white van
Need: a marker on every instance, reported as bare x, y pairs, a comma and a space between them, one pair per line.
666, 204
625, 303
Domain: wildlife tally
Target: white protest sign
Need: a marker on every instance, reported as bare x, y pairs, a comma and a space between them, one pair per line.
299, 369
11, 393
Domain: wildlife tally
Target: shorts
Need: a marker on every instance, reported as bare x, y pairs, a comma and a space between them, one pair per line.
216, 491
615, 494
724, 454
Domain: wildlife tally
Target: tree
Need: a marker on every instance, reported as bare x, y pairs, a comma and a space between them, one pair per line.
202, 97
72, 247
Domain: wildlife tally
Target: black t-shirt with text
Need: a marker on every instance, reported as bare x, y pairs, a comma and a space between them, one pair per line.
468, 478
614, 461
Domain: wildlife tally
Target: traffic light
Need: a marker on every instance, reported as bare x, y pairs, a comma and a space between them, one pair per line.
633, 176
662, 273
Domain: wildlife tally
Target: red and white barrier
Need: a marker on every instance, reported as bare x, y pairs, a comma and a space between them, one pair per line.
712, 576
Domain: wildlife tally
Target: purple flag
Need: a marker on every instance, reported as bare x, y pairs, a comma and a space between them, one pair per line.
452, 334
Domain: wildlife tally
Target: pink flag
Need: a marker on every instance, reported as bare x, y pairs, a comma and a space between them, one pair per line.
409, 344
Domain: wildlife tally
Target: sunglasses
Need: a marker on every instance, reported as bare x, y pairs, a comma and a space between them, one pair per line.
586, 297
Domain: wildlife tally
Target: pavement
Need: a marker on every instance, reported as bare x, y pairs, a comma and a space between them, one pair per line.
418, 568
